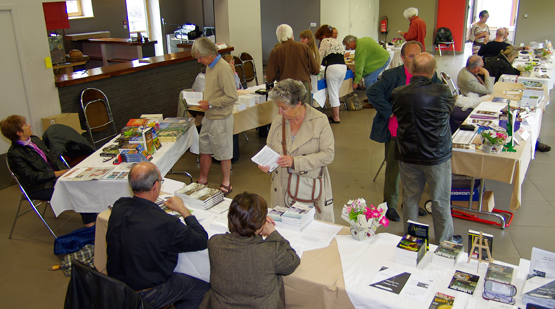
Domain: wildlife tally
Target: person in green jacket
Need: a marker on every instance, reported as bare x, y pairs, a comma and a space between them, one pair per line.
370, 59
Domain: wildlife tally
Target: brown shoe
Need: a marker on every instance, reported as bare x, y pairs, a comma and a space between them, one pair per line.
368, 105
365, 101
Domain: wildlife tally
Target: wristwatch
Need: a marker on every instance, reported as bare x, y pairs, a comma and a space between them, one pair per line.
209, 105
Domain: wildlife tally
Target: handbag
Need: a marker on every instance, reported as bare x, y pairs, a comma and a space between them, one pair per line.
352, 102
302, 189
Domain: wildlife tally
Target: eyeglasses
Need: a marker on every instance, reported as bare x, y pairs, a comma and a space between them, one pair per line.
498, 297
160, 180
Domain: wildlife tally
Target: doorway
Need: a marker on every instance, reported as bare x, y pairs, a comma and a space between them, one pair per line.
502, 13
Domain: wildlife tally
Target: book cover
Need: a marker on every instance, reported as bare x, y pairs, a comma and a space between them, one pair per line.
410, 243
393, 284
500, 273
442, 301
143, 152
420, 230
475, 234
155, 139
149, 141
449, 250
110, 151
136, 122
464, 282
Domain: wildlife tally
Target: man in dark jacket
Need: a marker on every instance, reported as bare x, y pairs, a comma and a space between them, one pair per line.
143, 243
384, 128
424, 145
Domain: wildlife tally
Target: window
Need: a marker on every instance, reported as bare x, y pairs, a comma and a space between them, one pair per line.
137, 16
74, 8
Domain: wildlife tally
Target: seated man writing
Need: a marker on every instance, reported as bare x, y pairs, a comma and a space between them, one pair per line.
143, 243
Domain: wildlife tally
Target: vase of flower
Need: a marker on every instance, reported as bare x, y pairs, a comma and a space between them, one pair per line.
364, 220
494, 141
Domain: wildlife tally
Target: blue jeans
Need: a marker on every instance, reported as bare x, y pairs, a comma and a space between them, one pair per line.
180, 290
438, 177
373, 77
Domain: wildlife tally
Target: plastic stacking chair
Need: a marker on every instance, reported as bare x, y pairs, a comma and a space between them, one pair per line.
34, 205
250, 68
444, 39
98, 116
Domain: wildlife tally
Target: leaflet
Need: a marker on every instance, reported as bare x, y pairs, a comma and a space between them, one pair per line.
266, 157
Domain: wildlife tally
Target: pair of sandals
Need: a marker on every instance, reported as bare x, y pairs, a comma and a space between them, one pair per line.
225, 189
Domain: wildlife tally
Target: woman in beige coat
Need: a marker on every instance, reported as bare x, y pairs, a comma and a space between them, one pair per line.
310, 146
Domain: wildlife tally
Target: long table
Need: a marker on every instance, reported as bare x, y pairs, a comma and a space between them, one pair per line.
505, 167
94, 196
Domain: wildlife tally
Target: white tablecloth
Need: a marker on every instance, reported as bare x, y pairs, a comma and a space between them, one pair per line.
395, 56
361, 261
96, 195
549, 81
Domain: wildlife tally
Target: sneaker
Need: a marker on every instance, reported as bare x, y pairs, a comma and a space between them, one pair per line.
392, 215
457, 239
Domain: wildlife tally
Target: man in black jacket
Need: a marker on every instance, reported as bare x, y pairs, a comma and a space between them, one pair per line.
143, 243
424, 145
384, 127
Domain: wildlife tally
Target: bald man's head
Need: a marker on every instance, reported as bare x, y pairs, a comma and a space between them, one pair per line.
143, 176
424, 64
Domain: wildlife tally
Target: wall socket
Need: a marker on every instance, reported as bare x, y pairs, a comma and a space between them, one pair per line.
312, 24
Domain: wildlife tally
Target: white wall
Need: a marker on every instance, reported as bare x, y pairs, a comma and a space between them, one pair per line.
32, 45
356, 17
238, 24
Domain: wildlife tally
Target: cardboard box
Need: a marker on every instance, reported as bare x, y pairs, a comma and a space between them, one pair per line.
488, 202
68, 119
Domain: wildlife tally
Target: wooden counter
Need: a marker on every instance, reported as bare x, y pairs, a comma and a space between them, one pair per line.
65, 80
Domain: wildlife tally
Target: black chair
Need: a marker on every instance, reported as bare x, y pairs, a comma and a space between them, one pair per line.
90, 289
34, 205
444, 38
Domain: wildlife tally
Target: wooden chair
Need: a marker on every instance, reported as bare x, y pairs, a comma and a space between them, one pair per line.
98, 116
250, 68
34, 205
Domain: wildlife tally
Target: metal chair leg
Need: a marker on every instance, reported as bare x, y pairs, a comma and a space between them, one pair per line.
246, 136
16, 215
42, 219
379, 170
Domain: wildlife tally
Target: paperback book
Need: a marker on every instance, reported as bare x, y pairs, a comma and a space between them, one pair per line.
447, 253
420, 230
464, 282
472, 235
200, 197
539, 291
500, 273
298, 216
410, 250
442, 301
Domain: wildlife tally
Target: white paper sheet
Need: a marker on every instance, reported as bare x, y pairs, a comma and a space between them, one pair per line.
316, 235
266, 157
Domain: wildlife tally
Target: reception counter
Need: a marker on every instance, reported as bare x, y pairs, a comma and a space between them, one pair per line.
145, 86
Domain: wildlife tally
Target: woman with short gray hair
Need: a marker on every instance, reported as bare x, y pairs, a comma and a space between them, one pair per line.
417, 27
308, 148
203, 47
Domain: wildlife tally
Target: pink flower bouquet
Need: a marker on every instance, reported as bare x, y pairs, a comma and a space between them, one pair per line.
364, 219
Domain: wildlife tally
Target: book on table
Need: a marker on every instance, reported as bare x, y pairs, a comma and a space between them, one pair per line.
420, 230
539, 291
464, 282
447, 253
136, 122
500, 273
442, 301
542, 263
200, 196
276, 213
410, 250
298, 216
472, 235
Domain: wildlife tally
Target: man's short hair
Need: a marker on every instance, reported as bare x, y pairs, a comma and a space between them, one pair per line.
143, 181
284, 32
288, 91
348, 39
421, 67
11, 126
247, 214
500, 32
410, 13
473, 62
411, 43
203, 47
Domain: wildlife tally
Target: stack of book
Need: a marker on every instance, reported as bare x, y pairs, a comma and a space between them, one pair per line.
410, 250
464, 282
173, 127
134, 153
200, 196
297, 217
420, 230
539, 291
276, 213
472, 235
447, 253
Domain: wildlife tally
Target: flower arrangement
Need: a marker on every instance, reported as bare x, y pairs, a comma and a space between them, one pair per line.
546, 52
397, 41
495, 138
364, 219
526, 70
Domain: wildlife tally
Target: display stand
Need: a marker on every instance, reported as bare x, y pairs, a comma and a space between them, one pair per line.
480, 243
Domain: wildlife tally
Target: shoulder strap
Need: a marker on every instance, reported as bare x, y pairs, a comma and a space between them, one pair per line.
283, 143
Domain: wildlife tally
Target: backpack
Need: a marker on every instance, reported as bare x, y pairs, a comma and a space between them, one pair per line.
352, 102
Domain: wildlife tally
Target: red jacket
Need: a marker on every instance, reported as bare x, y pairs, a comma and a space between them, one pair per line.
417, 31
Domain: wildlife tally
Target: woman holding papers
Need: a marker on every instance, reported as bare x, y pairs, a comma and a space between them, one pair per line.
30, 160
245, 269
308, 148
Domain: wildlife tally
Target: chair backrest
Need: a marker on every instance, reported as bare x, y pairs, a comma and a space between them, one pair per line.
98, 115
250, 67
89, 288
449, 82
245, 56
443, 35
18, 182
240, 69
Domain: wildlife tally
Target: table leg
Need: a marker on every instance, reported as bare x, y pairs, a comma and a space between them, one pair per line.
235, 148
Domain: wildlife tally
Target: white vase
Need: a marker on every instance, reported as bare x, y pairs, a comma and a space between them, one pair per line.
490, 148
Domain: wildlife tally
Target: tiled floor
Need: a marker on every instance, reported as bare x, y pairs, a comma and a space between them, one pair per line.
26, 282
